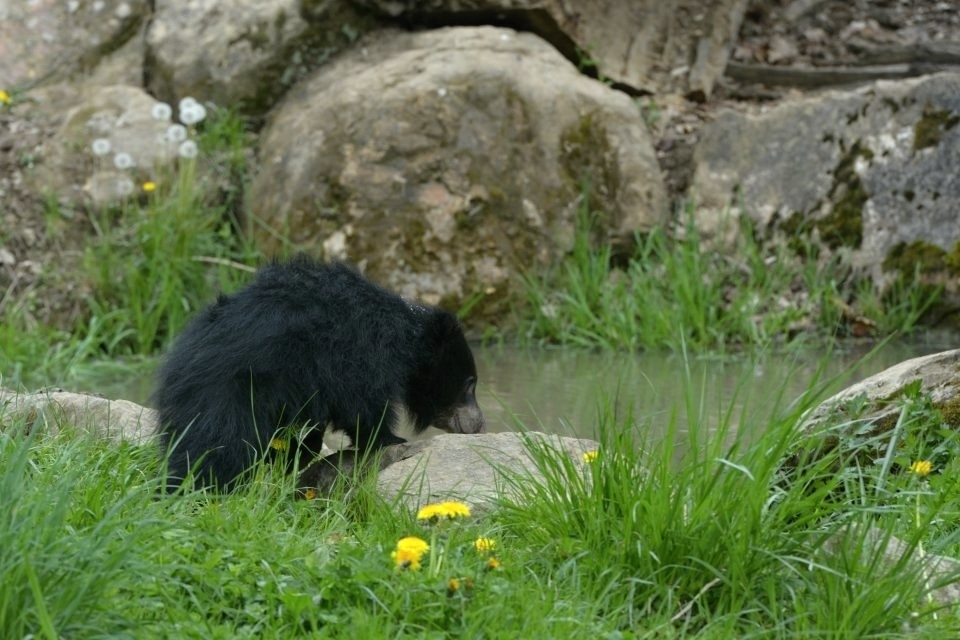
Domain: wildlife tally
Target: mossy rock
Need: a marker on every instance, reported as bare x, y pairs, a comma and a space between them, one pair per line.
878, 400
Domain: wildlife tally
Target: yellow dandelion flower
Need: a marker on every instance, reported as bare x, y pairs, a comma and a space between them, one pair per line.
5, 97
149, 187
409, 552
922, 468
450, 509
590, 456
310, 494
453, 586
278, 444
493, 563
485, 544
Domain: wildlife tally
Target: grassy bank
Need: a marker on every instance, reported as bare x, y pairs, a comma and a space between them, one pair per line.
698, 534
675, 291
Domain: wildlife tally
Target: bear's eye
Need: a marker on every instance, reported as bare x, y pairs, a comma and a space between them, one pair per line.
469, 387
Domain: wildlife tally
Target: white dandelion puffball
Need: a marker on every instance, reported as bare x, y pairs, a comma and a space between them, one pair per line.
125, 187
186, 102
188, 149
123, 161
161, 111
175, 133
101, 147
192, 114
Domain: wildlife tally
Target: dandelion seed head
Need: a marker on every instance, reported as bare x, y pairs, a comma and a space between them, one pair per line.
101, 146
125, 187
186, 102
187, 149
175, 133
191, 111
123, 160
161, 111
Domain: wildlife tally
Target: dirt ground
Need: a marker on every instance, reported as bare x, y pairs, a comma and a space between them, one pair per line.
41, 244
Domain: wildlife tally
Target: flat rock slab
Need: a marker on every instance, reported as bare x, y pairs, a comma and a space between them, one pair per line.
475, 469
55, 410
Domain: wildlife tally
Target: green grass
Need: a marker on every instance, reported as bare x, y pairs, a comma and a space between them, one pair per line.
701, 533
677, 293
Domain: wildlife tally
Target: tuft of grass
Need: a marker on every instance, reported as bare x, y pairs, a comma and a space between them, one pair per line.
674, 292
716, 536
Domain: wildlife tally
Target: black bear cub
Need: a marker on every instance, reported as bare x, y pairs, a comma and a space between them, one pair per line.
309, 345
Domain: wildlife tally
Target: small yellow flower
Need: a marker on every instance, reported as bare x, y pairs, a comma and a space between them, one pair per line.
453, 586
492, 563
278, 444
149, 187
4, 97
409, 551
449, 509
590, 456
922, 468
310, 493
485, 544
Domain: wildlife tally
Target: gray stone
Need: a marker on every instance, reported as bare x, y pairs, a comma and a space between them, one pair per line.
46, 40
55, 410
878, 398
243, 53
863, 170
475, 469
445, 161
645, 45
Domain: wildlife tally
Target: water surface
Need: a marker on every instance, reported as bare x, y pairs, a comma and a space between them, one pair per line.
563, 390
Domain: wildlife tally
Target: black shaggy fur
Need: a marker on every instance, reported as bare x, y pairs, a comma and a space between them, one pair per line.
308, 344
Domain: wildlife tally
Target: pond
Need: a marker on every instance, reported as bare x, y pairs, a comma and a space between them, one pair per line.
562, 390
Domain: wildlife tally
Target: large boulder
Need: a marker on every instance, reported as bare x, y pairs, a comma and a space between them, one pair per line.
243, 53
45, 40
869, 173
644, 46
445, 161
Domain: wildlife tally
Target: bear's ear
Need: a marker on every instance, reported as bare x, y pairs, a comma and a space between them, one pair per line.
445, 347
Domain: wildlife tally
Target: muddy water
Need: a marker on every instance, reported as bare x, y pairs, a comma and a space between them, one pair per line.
562, 390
